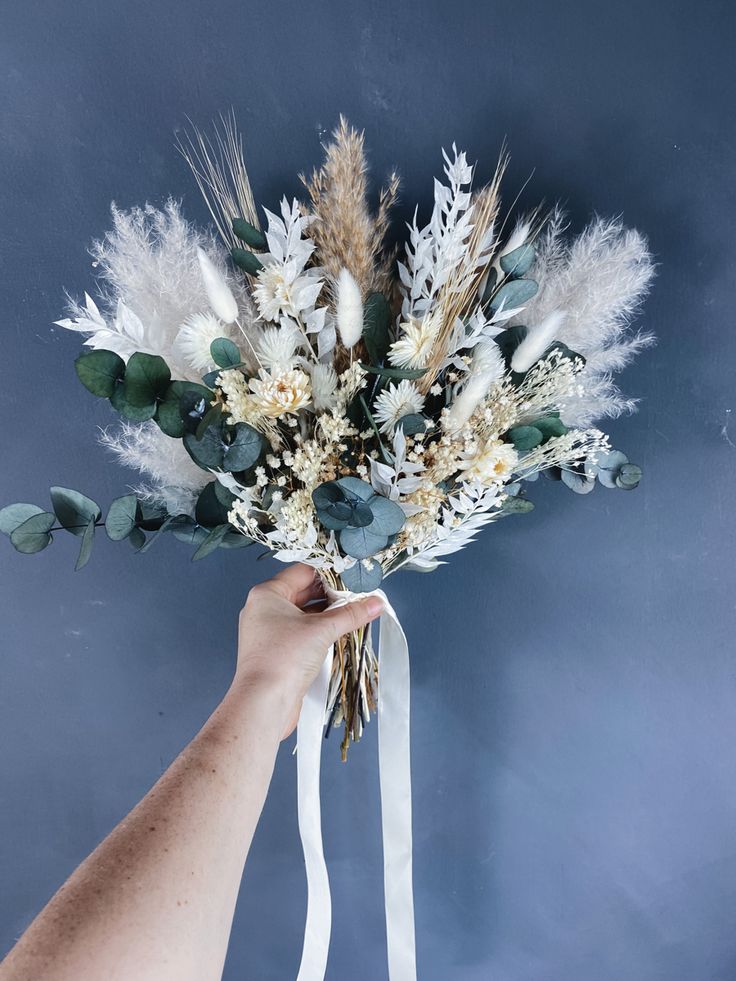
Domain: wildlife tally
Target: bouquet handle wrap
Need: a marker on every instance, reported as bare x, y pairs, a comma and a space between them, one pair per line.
395, 785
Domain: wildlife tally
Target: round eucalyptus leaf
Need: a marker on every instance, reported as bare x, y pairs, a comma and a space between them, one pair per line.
518, 261
609, 466
525, 437
628, 476
388, 517
168, 411
85, 548
121, 515
100, 371
361, 515
133, 413
412, 424
147, 377
212, 417
550, 426
358, 579
224, 352
328, 493
209, 510
244, 449
207, 452
513, 294
33, 535
361, 543
137, 539
191, 534
517, 505
578, 482
151, 515
356, 487
15, 514
223, 495
249, 234
73, 509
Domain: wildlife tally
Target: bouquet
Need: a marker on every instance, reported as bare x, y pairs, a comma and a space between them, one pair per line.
295, 383
293, 380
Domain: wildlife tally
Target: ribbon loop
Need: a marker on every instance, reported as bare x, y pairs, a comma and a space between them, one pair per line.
395, 785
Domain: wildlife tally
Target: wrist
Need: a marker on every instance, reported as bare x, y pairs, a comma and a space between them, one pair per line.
259, 695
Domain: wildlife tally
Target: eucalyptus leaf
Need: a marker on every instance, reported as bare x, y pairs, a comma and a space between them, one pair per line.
525, 437
15, 514
100, 371
133, 413
121, 517
513, 294
224, 352
247, 261
249, 234
358, 579
361, 543
629, 476
516, 505
328, 493
388, 517
137, 539
234, 539
518, 261
550, 426
210, 418
207, 452
33, 534
85, 547
151, 515
580, 483
609, 466
191, 534
357, 487
413, 423
211, 542
209, 510
244, 449
168, 411
73, 509
147, 377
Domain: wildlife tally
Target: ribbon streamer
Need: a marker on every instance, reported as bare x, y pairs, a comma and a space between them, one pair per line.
395, 785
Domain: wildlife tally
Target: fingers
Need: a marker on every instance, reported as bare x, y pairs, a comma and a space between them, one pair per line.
343, 619
298, 584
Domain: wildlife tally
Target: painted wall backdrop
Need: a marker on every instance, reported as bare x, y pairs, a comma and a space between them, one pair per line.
574, 673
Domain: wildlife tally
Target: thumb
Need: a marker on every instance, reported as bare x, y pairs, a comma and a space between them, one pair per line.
344, 619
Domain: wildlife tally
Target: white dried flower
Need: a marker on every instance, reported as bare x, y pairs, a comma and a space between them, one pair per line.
415, 343
281, 393
277, 347
349, 309
395, 402
284, 288
219, 294
486, 367
196, 334
324, 386
492, 463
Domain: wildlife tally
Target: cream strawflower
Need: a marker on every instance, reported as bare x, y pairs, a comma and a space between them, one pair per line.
395, 402
281, 392
416, 339
192, 344
493, 463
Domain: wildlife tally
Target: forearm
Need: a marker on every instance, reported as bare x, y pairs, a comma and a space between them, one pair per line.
156, 898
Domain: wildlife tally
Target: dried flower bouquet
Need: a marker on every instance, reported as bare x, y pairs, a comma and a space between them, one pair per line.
298, 385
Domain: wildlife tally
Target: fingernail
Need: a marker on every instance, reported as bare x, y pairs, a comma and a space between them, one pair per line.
374, 605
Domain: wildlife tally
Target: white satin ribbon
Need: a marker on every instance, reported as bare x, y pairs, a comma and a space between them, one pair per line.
395, 783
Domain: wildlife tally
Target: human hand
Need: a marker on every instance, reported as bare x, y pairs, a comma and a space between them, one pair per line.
282, 646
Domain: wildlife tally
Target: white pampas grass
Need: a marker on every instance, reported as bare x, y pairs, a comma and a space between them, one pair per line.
150, 284
173, 477
599, 279
486, 367
219, 294
536, 342
349, 309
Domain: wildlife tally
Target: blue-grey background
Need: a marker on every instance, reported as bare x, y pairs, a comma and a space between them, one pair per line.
574, 681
